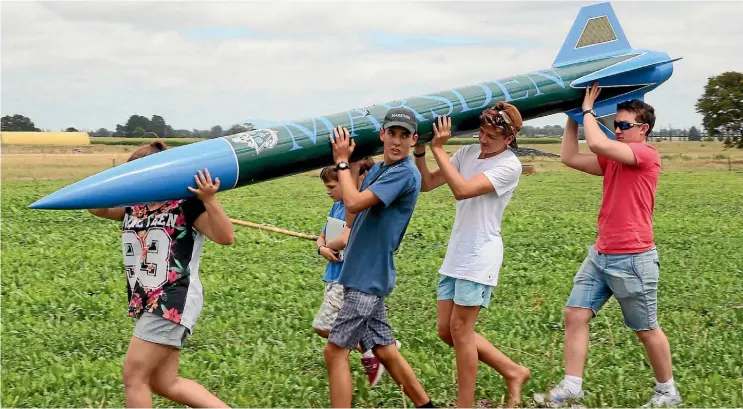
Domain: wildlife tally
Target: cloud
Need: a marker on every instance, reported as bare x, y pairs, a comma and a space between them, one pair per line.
198, 64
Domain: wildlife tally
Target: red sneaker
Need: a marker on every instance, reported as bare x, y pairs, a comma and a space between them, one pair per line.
374, 368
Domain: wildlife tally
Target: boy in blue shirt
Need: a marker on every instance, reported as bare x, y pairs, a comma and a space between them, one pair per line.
382, 209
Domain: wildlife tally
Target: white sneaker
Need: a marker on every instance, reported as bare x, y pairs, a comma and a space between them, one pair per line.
664, 398
559, 396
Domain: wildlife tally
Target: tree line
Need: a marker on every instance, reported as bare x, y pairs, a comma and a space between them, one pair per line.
721, 107
137, 126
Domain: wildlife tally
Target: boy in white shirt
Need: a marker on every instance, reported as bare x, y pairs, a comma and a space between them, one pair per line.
483, 178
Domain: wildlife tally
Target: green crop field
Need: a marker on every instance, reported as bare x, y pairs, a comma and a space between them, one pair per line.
65, 330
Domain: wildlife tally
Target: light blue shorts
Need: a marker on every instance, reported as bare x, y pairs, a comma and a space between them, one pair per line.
463, 292
631, 278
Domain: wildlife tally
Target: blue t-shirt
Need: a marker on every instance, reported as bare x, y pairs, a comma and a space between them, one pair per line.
377, 231
333, 269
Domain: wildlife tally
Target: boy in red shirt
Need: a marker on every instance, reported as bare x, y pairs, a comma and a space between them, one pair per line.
624, 261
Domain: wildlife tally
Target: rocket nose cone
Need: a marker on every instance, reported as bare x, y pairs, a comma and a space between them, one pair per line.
162, 176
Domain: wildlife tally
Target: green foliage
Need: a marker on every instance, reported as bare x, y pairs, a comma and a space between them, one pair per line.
139, 132
18, 123
101, 132
216, 131
65, 331
694, 134
721, 106
239, 128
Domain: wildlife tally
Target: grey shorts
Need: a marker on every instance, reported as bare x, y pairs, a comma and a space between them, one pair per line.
156, 329
361, 320
331, 305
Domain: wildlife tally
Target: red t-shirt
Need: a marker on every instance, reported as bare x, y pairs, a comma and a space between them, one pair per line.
625, 222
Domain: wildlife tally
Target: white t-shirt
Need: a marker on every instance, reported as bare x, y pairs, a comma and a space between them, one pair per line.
475, 250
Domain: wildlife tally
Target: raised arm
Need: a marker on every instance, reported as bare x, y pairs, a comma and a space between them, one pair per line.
429, 180
460, 187
353, 200
597, 140
214, 223
571, 156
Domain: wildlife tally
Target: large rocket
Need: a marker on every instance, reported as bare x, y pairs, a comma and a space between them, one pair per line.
595, 49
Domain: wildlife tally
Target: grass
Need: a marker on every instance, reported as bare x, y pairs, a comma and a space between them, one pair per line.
65, 330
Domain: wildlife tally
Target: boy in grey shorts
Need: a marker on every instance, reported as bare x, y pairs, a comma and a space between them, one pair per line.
382, 208
333, 296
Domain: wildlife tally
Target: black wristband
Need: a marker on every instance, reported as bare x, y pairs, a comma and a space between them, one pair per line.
419, 155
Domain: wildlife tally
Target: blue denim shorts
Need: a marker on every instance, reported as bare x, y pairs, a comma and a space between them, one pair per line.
631, 278
463, 292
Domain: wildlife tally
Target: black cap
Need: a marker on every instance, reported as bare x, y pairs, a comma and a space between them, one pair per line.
402, 117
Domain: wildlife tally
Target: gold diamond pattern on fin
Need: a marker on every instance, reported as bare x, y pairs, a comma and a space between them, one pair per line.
598, 30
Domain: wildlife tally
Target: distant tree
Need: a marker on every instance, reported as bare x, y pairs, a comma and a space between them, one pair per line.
216, 132
235, 129
138, 132
101, 132
134, 122
157, 125
18, 123
527, 130
721, 106
71, 129
120, 131
694, 134
183, 133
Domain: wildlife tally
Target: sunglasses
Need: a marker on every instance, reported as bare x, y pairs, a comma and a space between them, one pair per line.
501, 122
624, 125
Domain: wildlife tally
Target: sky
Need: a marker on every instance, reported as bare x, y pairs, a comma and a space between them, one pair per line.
92, 64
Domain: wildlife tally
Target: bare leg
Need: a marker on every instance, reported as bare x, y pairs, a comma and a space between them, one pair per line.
659, 352
142, 358
576, 339
166, 383
453, 320
462, 325
339, 374
401, 372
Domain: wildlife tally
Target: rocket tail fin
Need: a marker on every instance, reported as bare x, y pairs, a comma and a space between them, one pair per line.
596, 33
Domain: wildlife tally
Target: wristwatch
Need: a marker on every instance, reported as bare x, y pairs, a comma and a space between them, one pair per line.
589, 111
318, 249
341, 166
